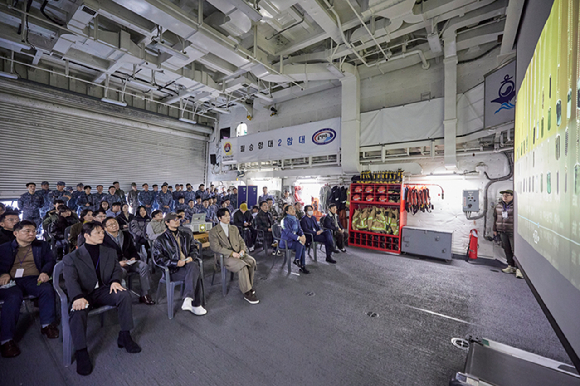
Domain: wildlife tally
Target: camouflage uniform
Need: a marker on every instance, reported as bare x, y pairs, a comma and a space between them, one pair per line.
57, 195
90, 199
30, 205
164, 199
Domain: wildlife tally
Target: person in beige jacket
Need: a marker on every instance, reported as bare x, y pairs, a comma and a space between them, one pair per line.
225, 239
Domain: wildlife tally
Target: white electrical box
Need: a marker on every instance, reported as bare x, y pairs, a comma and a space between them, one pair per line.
471, 200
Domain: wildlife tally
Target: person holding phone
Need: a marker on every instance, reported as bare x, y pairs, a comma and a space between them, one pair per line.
176, 250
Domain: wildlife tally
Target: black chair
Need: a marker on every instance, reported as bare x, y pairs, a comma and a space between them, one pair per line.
277, 234
67, 344
311, 245
219, 264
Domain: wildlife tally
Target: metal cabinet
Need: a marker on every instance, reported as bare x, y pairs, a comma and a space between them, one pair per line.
427, 242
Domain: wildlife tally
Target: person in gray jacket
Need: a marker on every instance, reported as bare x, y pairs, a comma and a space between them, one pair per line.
503, 225
156, 226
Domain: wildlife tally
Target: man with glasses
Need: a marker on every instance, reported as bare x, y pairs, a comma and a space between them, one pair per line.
26, 263
129, 260
8, 220
503, 225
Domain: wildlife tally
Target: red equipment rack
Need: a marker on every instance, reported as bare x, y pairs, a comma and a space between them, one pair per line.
372, 196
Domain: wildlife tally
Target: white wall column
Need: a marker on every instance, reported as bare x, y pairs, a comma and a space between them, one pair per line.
450, 104
350, 120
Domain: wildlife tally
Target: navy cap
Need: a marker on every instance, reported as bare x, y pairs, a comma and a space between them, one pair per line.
61, 183
80, 184
44, 183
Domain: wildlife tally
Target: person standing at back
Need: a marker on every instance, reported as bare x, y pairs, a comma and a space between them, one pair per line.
132, 198
503, 225
30, 204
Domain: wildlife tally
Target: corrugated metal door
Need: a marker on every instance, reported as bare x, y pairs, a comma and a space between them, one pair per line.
45, 145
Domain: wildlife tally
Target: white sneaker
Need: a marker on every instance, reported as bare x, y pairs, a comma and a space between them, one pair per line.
519, 274
509, 269
251, 249
199, 310
186, 306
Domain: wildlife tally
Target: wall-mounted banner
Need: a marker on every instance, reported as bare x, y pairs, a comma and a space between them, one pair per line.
309, 139
500, 96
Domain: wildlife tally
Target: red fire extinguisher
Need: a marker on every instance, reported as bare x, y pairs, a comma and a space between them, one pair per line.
473, 241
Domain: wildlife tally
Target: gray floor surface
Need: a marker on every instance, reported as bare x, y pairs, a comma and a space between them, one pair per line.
308, 329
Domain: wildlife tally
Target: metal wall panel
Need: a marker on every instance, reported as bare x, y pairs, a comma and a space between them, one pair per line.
46, 145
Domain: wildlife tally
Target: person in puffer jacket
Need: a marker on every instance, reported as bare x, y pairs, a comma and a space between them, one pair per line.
503, 225
293, 236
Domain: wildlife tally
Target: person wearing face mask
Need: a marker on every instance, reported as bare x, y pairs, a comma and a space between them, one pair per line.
310, 226
294, 237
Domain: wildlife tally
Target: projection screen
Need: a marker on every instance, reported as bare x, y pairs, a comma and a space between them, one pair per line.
547, 174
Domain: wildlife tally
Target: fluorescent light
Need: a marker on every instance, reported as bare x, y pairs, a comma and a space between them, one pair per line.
114, 102
8, 75
169, 50
187, 120
265, 13
264, 97
220, 110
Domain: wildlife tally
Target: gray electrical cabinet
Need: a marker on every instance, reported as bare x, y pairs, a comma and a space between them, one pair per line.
471, 200
427, 242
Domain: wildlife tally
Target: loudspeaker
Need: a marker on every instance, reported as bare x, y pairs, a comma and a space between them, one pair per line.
224, 133
213, 159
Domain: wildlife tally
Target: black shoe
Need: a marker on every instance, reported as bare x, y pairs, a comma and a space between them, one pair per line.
251, 297
304, 270
343, 250
50, 331
84, 365
336, 251
10, 349
330, 260
125, 340
147, 300
297, 263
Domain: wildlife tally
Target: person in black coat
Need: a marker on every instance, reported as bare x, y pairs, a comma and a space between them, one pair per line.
332, 222
28, 263
310, 226
243, 220
92, 276
129, 259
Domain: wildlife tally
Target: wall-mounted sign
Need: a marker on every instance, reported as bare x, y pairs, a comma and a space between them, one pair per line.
500, 96
309, 139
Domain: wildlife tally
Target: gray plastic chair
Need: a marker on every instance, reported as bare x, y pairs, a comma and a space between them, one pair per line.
277, 234
67, 344
224, 273
312, 245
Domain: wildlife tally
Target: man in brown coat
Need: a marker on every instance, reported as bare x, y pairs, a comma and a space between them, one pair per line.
225, 239
504, 226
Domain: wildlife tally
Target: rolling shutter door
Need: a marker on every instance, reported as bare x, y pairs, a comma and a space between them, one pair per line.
43, 145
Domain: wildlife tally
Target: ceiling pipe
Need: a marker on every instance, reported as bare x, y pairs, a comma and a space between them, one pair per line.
369, 31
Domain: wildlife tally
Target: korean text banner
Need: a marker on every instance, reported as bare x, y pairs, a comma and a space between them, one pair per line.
310, 139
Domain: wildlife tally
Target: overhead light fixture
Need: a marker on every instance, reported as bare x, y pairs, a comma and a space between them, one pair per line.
266, 98
265, 13
220, 110
8, 75
169, 50
114, 102
187, 120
